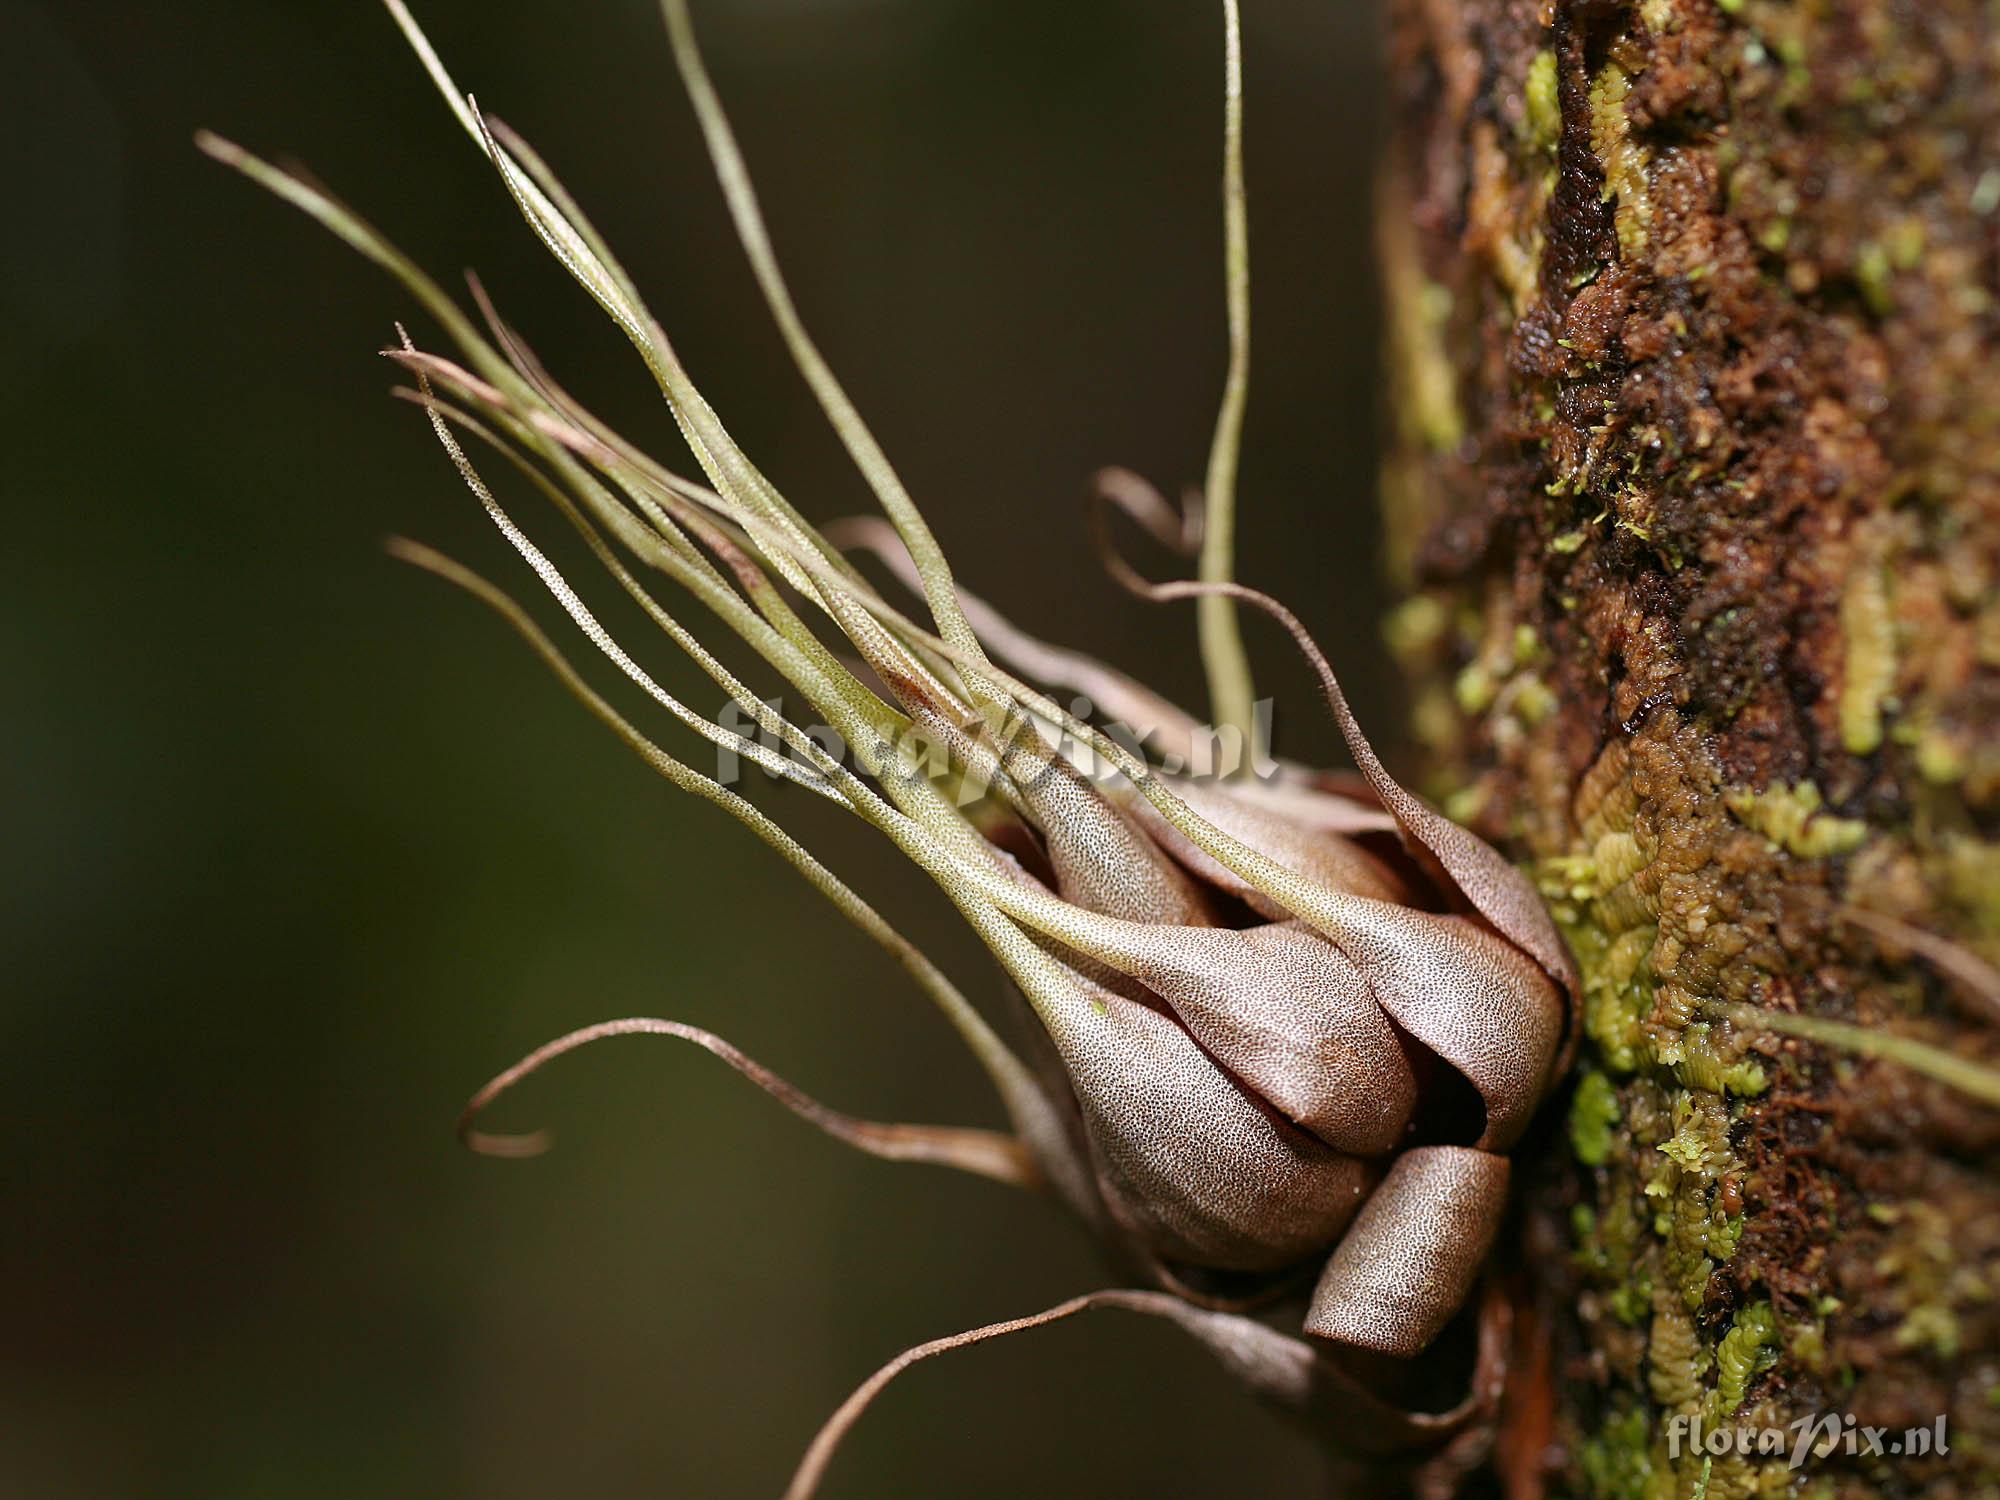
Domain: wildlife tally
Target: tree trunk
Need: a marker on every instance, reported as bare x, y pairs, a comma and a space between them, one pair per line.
1695, 489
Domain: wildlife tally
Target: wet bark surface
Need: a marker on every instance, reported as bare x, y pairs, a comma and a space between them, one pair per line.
1695, 492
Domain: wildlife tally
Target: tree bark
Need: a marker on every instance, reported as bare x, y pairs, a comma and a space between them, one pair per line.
1695, 493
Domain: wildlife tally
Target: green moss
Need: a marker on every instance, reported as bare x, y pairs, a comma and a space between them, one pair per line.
1433, 384
1868, 628
1872, 274
1632, 1299
1700, 1066
1566, 877
1932, 1326
1698, 1234
1790, 817
1624, 160
1932, 1282
1617, 1461
1618, 857
1940, 758
1533, 701
1474, 688
1465, 804
1697, 1144
1905, 244
1415, 626
1746, 1351
1613, 1014
1971, 877
1725, 1234
1675, 1358
1593, 1118
1542, 110
1806, 1343
1434, 718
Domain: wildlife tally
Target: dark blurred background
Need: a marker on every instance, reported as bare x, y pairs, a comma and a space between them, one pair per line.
300, 846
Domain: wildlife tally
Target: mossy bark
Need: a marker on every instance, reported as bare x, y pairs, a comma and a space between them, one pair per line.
1695, 493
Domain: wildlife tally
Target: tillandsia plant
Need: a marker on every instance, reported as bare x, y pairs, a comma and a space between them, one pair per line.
1286, 1026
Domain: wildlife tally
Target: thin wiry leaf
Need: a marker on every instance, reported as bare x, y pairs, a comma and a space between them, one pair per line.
812, 1468
1290, 1374
1039, 1123
747, 215
557, 221
585, 621
831, 689
1120, 699
1232, 699
807, 768
984, 1153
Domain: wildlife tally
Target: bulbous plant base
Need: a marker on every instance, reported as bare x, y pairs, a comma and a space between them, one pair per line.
1696, 494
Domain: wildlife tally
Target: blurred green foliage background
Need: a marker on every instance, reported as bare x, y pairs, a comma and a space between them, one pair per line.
301, 847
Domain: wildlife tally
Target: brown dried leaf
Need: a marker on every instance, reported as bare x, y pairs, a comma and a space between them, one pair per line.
1406, 1264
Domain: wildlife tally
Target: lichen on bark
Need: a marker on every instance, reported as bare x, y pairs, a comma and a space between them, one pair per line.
1694, 491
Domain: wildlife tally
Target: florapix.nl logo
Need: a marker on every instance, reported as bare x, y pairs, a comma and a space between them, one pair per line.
1816, 1435
760, 733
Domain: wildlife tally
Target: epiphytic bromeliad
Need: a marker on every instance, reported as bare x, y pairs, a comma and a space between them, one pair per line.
1261, 1000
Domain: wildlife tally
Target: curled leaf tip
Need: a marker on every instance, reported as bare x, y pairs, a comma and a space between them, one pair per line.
1180, 532
518, 1147
1252, 1351
419, 555
1294, 1376
220, 147
1485, 881
812, 1468
981, 1152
